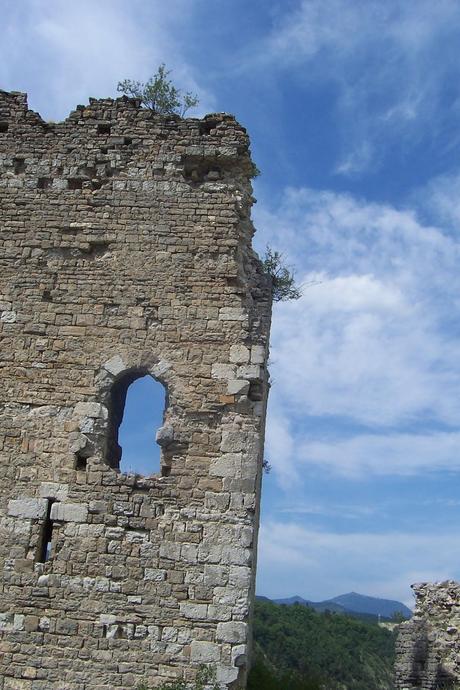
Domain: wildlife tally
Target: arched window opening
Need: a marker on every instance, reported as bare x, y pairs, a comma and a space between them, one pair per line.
136, 410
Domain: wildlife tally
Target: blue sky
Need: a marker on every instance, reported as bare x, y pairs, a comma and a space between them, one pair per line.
353, 108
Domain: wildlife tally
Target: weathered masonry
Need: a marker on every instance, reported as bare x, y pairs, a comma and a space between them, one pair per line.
428, 646
126, 251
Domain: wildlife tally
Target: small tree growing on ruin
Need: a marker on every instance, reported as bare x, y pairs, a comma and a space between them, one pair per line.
159, 94
284, 286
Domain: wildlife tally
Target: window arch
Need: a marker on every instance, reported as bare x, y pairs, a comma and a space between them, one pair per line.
137, 404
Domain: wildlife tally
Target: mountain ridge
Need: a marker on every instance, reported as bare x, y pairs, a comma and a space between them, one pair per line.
352, 603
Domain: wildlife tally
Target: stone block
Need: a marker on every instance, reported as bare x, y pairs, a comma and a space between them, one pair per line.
239, 354
226, 675
237, 387
8, 316
258, 354
23, 565
233, 632
170, 550
232, 314
54, 490
233, 441
165, 435
204, 652
193, 611
115, 365
223, 371
154, 574
28, 508
251, 372
91, 409
17, 684
227, 465
69, 512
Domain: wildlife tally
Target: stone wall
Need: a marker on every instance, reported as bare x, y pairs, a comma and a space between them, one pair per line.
126, 251
428, 646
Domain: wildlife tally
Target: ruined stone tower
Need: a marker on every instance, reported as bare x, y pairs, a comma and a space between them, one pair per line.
125, 251
428, 645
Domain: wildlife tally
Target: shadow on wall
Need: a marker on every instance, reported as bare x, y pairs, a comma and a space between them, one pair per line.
424, 669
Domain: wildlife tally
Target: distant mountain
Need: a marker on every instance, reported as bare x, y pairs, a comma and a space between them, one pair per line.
362, 604
353, 604
291, 600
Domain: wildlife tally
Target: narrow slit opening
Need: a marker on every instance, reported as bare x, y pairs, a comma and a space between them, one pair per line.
44, 551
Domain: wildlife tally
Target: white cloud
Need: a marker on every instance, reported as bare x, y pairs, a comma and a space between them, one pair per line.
62, 52
392, 454
323, 564
372, 342
441, 200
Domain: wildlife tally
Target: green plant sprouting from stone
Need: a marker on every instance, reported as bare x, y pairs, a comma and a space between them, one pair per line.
159, 94
205, 680
284, 286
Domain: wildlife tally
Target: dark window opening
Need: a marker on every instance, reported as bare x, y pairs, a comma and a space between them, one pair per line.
19, 165
136, 410
81, 462
44, 547
104, 128
128, 141
74, 183
3, 127
256, 391
206, 126
44, 182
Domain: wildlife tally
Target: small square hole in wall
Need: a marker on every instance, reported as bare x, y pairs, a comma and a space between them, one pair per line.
74, 183
19, 165
127, 141
3, 127
44, 182
103, 128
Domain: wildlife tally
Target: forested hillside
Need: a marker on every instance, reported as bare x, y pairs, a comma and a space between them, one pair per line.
297, 648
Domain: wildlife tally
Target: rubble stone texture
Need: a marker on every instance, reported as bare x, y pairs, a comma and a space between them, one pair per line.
126, 251
428, 646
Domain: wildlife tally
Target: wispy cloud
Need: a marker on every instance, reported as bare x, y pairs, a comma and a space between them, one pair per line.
327, 509
391, 454
393, 560
61, 53
383, 59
